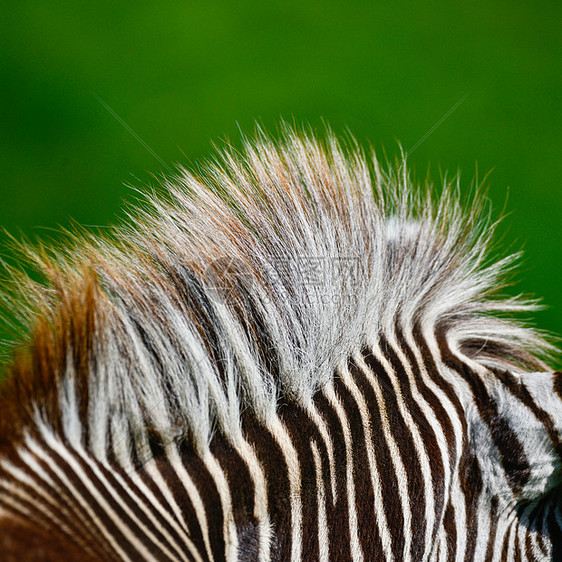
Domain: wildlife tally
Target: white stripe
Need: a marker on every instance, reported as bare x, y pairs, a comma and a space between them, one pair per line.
18, 510
419, 447
283, 439
229, 526
381, 521
524, 529
324, 433
48, 502
89, 527
194, 497
154, 505
78, 471
457, 498
355, 546
38, 451
428, 336
151, 468
503, 527
13, 494
261, 511
483, 522
399, 470
39, 507
443, 546
118, 496
323, 535
441, 397
429, 419
512, 537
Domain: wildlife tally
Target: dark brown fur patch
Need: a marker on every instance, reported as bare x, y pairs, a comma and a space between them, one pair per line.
20, 542
63, 333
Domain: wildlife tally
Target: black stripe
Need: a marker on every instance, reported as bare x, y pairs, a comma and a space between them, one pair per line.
118, 507
505, 546
364, 493
431, 451
472, 486
493, 528
164, 468
211, 500
517, 551
278, 492
391, 503
302, 431
558, 383
242, 494
521, 392
433, 371
182, 498
59, 510
451, 532
338, 514
72, 504
507, 442
407, 451
100, 512
41, 524
443, 418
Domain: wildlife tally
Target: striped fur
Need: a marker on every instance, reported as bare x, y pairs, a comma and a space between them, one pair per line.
289, 356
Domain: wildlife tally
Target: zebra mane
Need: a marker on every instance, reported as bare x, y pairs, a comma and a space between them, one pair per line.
245, 285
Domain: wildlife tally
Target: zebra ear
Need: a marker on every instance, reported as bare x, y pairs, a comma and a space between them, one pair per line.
515, 429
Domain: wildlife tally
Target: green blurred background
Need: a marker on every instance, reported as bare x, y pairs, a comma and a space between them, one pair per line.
468, 85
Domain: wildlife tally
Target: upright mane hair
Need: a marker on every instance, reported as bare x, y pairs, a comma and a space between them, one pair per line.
243, 286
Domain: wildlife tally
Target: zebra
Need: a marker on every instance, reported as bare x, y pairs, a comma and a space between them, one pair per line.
292, 353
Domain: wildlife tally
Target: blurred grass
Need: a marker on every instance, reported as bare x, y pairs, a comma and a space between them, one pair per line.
183, 74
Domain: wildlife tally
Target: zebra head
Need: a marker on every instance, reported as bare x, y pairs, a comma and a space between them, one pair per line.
291, 355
